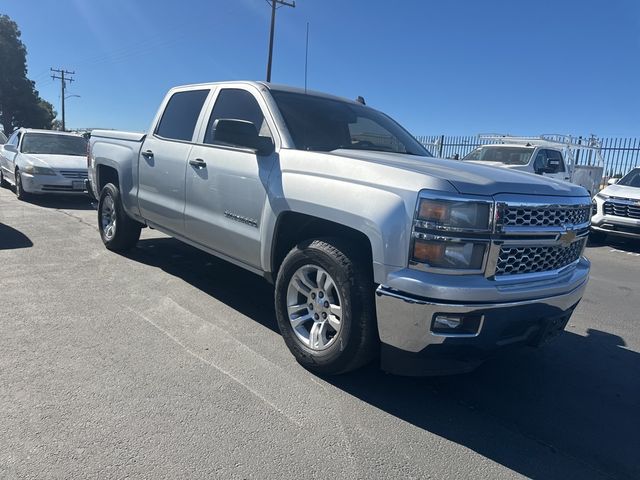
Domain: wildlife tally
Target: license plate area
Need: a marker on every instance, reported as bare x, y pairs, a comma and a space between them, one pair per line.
78, 185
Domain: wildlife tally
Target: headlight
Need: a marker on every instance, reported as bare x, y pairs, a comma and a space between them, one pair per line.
451, 232
449, 254
34, 170
454, 215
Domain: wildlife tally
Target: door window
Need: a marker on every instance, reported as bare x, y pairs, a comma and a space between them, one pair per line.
181, 115
549, 161
236, 104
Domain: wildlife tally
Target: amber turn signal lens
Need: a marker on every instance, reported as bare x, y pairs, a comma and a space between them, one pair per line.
433, 211
428, 252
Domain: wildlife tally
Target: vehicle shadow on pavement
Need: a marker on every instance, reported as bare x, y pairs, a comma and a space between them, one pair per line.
226, 282
80, 202
577, 397
625, 245
10, 238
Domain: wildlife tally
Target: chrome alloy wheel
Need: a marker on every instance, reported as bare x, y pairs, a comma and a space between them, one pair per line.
108, 217
314, 307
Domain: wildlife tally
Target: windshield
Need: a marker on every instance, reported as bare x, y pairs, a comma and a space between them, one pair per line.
631, 179
506, 155
52, 144
324, 124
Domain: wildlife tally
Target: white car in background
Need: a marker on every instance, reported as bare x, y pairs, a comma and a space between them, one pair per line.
44, 161
617, 208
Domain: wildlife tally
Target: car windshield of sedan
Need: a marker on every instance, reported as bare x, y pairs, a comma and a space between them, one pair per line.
505, 155
324, 124
52, 144
631, 179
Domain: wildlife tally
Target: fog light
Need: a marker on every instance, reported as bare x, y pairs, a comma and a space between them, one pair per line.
447, 322
452, 324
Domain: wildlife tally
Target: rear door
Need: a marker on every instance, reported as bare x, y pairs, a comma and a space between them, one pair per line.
163, 160
227, 184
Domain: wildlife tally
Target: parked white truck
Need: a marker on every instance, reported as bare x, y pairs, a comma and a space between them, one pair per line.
373, 246
553, 156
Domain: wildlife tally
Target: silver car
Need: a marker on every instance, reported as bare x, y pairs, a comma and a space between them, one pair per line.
44, 161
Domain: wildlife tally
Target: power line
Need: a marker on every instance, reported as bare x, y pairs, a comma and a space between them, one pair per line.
274, 7
64, 78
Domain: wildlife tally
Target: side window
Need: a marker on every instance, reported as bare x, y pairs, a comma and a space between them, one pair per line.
181, 115
236, 104
14, 139
540, 161
555, 160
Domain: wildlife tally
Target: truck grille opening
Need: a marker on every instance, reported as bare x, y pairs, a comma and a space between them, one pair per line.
546, 217
621, 210
519, 260
75, 174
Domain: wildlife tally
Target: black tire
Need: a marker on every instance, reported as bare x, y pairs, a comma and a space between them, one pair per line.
596, 237
357, 342
20, 193
3, 181
125, 231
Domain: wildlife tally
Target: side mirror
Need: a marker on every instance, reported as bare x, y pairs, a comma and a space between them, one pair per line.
612, 181
241, 133
11, 148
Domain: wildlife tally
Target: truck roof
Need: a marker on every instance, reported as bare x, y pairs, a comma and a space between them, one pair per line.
270, 86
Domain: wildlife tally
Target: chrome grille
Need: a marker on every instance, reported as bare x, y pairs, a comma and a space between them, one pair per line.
518, 260
622, 209
74, 174
518, 216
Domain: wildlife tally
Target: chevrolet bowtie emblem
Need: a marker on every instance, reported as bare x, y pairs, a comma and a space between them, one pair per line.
567, 238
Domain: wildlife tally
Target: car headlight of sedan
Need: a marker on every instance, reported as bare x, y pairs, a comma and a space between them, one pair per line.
451, 233
35, 170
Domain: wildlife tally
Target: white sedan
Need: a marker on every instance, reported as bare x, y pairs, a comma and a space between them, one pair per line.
44, 161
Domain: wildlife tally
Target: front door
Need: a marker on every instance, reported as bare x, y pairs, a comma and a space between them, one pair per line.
163, 161
227, 184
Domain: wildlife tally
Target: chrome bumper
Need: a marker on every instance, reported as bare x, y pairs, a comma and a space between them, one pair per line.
410, 347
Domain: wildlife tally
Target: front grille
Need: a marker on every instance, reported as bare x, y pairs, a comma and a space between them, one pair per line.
621, 210
517, 216
75, 174
518, 260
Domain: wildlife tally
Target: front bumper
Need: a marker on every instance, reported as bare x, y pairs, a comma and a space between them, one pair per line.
410, 346
618, 226
43, 184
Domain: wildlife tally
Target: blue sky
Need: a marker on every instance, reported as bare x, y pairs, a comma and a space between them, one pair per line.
450, 67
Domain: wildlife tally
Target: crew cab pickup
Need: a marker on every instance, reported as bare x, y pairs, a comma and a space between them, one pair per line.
375, 247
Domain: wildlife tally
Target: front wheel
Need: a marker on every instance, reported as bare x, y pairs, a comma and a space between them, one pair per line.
20, 193
325, 306
119, 232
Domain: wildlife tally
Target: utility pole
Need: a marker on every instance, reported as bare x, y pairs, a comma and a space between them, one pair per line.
274, 6
64, 78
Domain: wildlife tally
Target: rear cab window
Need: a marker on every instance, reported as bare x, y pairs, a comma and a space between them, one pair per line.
181, 115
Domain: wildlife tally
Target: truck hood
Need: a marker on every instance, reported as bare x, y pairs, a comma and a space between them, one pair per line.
622, 191
57, 162
470, 178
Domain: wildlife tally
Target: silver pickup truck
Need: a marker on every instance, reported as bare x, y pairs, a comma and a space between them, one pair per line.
375, 248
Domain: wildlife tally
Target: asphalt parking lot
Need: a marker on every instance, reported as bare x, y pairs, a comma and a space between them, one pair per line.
167, 363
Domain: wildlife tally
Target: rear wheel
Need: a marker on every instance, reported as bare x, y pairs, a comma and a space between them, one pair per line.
20, 193
325, 306
119, 232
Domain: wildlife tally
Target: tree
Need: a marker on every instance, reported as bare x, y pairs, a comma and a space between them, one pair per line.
20, 102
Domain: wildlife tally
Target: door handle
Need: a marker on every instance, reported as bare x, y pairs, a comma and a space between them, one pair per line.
198, 163
148, 154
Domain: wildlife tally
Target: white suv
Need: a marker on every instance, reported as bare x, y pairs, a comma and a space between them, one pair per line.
617, 208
